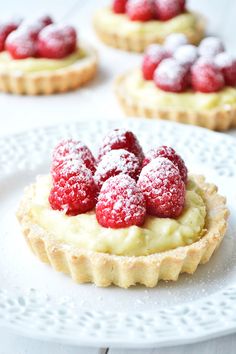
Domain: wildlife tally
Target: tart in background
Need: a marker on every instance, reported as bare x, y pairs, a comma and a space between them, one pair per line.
132, 25
183, 83
41, 57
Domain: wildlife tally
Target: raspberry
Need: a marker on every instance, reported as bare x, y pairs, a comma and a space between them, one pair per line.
174, 41
182, 4
206, 77
56, 42
119, 6
67, 169
186, 54
5, 29
72, 150
210, 47
154, 54
116, 162
227, 65
163, 188
20, 45
167, 9
170, 154
121, 139
32, 28
75, 193
140, 10
120, 203
171, 76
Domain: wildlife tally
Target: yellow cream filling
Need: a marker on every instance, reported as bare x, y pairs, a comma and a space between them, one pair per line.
147, 93
156, 235
30, 65
111, 21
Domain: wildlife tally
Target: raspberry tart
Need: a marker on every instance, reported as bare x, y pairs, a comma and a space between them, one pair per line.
183, 83
124, 218
132, 25
42, 57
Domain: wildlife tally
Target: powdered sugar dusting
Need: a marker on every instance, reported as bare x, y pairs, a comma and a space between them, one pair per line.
73, 150
74, 167
163, 188
24, 45
223, 60
169, 71
155, 52
186, 54
210, 47
57, 33
121, 139
116, 162
120, 203
174, 41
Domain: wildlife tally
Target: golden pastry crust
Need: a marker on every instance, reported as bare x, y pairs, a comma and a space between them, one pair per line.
49, 82
214, 119
124, 271
133, 44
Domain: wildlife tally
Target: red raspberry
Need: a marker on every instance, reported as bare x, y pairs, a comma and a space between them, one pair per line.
171, 76
67, 169
174, 41
72, 150
186, 54
56, 42
182, 4
210, 47
5, 29
167, 9
32, 28
206, 77
120, 203
116, 162
140, 10
119, 6
163, 188
75, 193
154, 54
170, 154
121, 139
20, 45
227, 65
46, 20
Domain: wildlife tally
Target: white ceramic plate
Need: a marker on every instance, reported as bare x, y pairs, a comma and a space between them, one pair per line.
39, 302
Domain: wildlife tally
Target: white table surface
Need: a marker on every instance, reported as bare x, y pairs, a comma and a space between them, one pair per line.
96, 100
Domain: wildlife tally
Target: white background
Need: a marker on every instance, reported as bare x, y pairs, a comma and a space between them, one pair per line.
96, 100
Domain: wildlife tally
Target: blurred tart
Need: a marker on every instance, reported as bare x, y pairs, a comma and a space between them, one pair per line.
124, 219
43, 58
132, 25
183, 83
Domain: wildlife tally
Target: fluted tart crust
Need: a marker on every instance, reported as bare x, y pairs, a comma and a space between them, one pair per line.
105, 269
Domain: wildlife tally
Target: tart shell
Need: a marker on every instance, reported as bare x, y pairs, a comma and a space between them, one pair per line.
105, 269
49, 82
214, 119
133, 44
